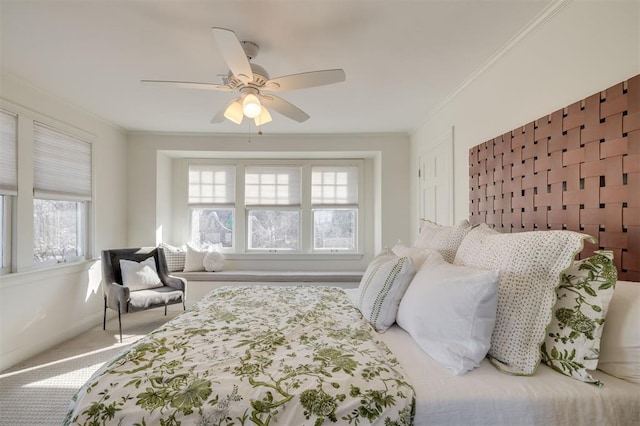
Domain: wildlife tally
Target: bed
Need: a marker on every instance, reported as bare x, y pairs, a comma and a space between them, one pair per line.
231, 359
467, 326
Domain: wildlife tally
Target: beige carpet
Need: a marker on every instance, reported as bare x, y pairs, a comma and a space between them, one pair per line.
38, 391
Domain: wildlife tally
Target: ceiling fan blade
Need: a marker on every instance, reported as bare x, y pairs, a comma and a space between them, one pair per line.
304, 80
188, 85
220, 116
284, 107
233, 53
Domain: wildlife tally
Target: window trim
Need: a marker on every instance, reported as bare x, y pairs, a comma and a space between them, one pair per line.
21, 208
6, 204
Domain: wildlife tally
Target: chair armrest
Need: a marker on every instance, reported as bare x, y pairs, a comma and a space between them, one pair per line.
178, 283
115, 293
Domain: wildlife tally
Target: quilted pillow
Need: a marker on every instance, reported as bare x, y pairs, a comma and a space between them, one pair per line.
140, 275
530, 265
445, 239
450, 312
572, 345
381, 289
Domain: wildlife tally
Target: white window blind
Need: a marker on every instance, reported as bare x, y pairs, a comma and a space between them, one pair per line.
62, 165
8, 133
212, 184
334, 185
272, 185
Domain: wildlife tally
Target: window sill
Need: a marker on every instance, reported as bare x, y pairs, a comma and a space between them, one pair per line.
293, 256
36, 273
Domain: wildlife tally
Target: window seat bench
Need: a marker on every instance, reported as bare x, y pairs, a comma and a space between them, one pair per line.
273, 276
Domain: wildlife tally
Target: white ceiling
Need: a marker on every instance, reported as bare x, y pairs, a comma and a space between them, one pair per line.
401, 58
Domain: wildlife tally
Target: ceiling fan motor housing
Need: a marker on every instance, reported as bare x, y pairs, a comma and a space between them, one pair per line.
250, 48
260, 78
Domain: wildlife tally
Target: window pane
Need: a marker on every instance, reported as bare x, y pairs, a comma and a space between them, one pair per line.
272, 185
61, 164
212, 226
271, 230
8, 159
3, 231
57, 228
334, 229
334, 185
212, 184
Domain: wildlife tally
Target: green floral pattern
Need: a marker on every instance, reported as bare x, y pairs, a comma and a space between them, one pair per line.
253, 355
573, 341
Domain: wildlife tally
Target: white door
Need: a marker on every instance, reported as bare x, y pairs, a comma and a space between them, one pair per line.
436, 183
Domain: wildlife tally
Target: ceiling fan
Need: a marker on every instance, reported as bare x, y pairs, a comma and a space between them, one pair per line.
251, 80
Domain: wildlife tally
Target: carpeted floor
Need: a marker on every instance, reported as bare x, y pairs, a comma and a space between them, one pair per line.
38, 391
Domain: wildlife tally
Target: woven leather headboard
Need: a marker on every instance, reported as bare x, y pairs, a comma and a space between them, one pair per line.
577, 168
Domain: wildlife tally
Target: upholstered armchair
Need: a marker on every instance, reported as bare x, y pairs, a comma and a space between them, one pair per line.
125, 299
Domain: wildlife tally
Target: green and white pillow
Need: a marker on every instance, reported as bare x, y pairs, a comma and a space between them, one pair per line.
572, 345
381, 289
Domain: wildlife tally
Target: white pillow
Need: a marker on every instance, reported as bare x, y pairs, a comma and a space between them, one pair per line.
417, 255
530, 264
140, 275
383, 285
445, 239
450, 312
620, 342
213, 261
194, 259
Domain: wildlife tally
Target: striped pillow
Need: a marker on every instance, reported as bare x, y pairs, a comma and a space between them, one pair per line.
381, 289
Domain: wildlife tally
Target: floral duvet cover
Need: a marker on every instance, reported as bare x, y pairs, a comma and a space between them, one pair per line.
253, 356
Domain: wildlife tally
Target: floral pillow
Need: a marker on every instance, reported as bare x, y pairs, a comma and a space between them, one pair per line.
572, 345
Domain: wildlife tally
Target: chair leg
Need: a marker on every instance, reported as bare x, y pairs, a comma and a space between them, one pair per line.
119, 322
104, 317
184, 306
165, 309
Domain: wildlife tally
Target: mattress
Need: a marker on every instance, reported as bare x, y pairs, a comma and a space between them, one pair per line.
485, 396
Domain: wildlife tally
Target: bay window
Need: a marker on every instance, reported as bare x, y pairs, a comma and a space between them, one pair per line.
275, 206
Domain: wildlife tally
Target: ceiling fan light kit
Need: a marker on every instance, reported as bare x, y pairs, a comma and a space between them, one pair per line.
251, 80
234, 112
251, 106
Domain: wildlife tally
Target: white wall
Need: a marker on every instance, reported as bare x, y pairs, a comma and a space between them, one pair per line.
41, 308
584, 48
390, 192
